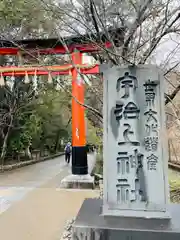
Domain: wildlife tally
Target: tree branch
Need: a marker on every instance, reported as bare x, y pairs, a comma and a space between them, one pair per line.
170, 97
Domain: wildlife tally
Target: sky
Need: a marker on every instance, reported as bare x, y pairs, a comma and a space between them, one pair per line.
168, 51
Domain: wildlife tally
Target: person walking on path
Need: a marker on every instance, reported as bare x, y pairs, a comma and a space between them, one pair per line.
68, 150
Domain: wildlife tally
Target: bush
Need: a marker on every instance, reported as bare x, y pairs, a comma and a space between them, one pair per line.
99, 163
174, 191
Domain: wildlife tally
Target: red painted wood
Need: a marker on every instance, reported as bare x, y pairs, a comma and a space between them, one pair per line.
78, 117
93, 70
83, 48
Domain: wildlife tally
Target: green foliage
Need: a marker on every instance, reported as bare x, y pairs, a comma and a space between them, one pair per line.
38, 120
99, 163
17, 144
30, 129
52, 109
93, 136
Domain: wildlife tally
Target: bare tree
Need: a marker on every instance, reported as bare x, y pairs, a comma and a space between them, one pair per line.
135, 28
14, 96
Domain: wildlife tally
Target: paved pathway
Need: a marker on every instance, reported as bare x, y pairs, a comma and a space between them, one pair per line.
32, 205
16, 184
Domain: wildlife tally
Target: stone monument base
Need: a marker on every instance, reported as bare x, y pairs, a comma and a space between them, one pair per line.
90, 224
78, 181
137, 214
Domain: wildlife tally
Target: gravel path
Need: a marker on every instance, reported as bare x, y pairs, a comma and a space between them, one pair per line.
67, 235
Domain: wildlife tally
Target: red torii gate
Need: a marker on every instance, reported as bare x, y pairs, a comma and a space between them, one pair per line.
54, 46
79, 153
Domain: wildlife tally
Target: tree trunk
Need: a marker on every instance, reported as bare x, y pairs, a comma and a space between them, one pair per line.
3, 152
4, 147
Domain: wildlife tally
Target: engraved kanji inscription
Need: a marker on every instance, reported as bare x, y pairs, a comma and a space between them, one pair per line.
129, 161
123, 164
151, 124
130, 192
123, 190
151, 128
151, 115
126, 134
152, 162
118, 110
127, 81
123, 193
151, 143
131, 111
150, 92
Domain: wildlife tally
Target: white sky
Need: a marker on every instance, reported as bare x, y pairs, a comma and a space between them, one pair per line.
168, 52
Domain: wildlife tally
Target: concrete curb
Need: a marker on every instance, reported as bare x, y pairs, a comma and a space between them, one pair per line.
27, 163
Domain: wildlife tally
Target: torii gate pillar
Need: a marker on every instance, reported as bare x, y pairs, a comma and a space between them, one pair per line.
79, 149
80, 178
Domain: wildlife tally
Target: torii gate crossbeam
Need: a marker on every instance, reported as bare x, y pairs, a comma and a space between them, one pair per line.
45, 70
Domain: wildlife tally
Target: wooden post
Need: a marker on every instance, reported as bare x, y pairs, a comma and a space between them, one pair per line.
79, 151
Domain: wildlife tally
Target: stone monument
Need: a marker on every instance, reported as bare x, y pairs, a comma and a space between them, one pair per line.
135, 143
135, 200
